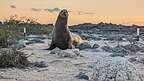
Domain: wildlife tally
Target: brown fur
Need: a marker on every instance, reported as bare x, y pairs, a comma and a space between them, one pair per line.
61, 36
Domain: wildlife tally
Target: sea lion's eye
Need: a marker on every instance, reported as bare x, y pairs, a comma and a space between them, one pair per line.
63, 13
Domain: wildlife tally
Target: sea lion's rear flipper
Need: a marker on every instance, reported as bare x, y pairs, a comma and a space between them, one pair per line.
70, 45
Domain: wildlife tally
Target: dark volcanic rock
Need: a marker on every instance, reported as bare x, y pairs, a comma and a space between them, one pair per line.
84, 45
117, 51
117, 54
35, 40
82, 76
132, 48
41, 64
120, 49
132, 59
107, 49
96, 46
141, 60
137, 59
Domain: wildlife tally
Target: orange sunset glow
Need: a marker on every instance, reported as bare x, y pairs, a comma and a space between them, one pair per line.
81, 11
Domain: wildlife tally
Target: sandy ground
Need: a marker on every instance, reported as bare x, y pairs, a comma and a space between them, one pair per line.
58, 69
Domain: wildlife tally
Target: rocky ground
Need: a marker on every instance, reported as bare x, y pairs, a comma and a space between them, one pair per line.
96, 60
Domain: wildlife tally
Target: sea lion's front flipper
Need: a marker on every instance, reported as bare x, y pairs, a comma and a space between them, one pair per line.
52, 46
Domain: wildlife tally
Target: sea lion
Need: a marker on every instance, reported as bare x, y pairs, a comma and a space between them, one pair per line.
61, 35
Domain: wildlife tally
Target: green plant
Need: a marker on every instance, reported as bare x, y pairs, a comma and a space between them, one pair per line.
6, 38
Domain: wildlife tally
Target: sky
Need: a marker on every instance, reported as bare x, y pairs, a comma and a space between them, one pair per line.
125, 12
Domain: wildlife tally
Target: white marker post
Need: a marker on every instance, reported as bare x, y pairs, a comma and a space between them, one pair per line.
24, 31
138, 33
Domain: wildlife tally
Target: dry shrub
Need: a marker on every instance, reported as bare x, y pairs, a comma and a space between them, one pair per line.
12, 58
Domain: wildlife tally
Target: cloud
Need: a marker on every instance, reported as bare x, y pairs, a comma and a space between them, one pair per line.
70, 11
13, 6
52, 10
35, 9
83, 13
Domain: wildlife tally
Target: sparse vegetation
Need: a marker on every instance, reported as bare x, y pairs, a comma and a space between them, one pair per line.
17, 24
13, 29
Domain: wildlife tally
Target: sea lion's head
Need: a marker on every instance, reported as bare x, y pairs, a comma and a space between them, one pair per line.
62, 19
63, 14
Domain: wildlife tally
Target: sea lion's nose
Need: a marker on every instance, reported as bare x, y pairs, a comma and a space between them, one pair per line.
65, 13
